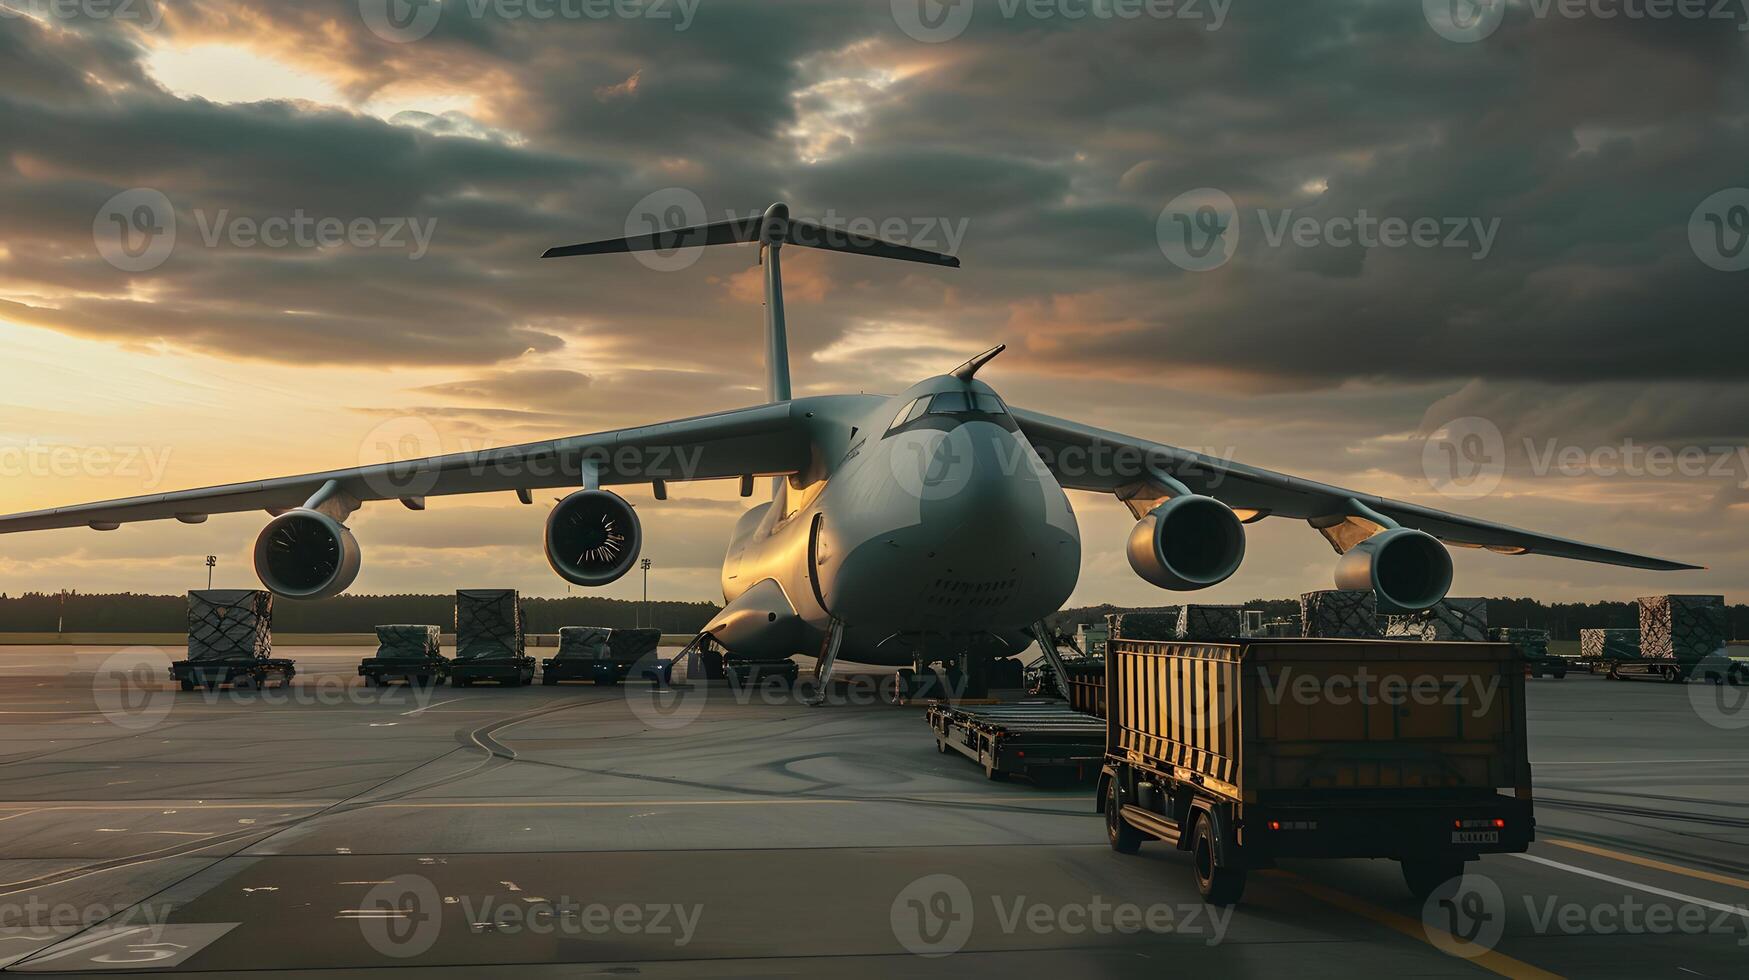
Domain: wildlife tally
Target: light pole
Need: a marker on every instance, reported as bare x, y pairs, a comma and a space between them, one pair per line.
211, 560
645, 565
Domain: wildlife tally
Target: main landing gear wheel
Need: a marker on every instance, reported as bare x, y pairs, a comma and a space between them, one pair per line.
1219, 886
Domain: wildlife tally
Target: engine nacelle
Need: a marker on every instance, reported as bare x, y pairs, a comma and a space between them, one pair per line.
1409, 569
593, 537
1187, 543
305, 554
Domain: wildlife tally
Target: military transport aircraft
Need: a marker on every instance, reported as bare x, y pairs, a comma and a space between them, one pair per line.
901, 529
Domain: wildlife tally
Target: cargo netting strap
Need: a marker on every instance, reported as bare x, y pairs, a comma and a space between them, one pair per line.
408, 642
1681, 627
230, 624
1337, 613
1461, 620
488, 624
583, 642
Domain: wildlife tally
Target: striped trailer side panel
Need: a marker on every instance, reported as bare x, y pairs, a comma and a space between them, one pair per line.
1180, 705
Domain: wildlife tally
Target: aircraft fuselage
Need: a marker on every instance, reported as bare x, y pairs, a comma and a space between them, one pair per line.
923, 520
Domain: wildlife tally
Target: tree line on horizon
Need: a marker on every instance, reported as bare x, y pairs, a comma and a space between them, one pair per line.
78, 612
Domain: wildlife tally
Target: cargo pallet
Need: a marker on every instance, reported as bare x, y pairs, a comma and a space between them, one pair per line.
506, 671
1210, 750
1028, 738
379, 671
190, 674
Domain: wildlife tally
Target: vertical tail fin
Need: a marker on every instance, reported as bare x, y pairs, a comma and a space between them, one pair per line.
772, 230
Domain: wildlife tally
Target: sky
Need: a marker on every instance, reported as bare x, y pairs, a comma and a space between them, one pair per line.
1491, 263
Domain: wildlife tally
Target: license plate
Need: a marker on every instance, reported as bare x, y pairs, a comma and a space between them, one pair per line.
1475, 837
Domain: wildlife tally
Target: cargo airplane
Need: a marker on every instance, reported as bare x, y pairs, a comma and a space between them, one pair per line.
928, 526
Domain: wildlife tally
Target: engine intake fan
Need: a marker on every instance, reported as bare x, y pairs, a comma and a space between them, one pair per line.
593, 537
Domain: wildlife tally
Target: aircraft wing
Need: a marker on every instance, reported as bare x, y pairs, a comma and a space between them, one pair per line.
1086, 458
760, 441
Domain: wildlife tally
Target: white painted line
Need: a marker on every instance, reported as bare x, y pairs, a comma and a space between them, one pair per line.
1612, 879
429, 707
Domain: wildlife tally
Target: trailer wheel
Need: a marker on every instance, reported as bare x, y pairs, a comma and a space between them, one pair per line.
1737, 676
1123, 838
1219, 886
187, 685
1425, 875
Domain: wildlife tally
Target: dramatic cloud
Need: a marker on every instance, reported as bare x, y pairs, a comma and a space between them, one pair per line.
1508, 230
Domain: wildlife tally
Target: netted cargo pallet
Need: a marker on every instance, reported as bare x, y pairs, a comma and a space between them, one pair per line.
488, 624
1598, 644
230, 624
1684, 628
1160, 624
406, 641
1460, 620
1340, 613
634, 643
583, 642
1210, 622
1530, 642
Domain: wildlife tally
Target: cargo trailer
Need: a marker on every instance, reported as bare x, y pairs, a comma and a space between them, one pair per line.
406, 652
230, 641
1043, 740
1246, 753
600, 654
489, 641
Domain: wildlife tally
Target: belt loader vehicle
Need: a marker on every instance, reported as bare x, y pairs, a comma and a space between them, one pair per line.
1246, 752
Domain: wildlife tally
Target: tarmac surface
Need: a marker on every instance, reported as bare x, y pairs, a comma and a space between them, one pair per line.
331, 828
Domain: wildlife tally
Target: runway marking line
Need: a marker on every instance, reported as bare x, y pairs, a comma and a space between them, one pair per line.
1625, 883
1490, 960
1646, 862
596, 804
429, 707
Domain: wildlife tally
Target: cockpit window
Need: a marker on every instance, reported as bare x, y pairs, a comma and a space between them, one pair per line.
963, 402
905, 414
950, 403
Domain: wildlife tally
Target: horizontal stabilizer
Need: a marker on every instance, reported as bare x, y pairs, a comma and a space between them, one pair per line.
774, 227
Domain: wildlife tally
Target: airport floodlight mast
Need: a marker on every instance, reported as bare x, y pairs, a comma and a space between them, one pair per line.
645, 565
211, 561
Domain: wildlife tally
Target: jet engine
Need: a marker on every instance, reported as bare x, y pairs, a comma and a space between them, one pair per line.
593, 537
305, 554
1409, 569
1187, 543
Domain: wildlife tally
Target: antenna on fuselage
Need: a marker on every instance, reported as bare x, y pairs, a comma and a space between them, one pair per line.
771, 230
969, 370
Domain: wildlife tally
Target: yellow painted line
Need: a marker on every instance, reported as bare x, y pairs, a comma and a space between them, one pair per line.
1494, 962
1675, 869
